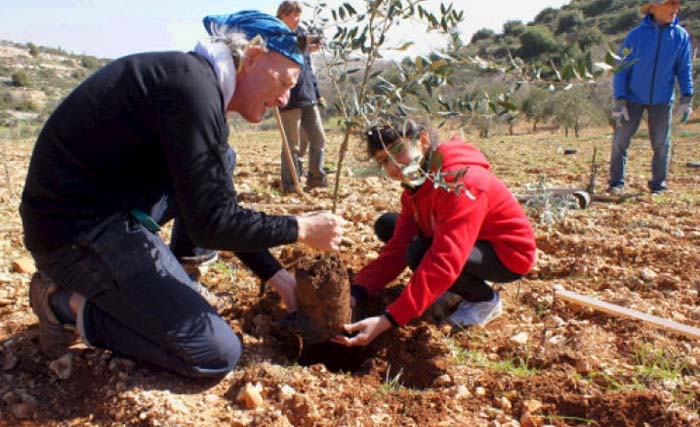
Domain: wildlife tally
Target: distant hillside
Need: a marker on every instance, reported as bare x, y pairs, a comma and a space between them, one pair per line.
34, 79
577, 26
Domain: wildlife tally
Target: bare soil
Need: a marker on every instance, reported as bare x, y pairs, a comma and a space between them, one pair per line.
574, 367
323, 292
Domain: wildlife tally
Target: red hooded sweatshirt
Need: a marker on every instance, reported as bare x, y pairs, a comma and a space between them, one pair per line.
484, 210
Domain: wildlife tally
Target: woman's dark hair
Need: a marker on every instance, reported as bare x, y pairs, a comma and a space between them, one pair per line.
379, 137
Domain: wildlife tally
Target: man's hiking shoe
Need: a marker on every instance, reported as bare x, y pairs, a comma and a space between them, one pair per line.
197, 266
316, 183
54, 338
476, 313
615, 191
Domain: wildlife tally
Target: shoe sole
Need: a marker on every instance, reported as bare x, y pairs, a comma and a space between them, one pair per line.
54, 339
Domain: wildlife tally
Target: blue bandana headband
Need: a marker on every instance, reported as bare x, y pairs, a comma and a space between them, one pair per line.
278, 37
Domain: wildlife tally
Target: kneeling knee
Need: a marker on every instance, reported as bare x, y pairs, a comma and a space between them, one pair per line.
218, 351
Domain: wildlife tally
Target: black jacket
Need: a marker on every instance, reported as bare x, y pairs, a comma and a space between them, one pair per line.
305, 92
144, 124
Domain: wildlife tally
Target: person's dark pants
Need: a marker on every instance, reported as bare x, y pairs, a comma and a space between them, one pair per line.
140, 301
482, 265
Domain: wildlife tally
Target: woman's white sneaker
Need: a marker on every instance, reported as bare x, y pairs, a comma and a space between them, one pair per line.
476, 313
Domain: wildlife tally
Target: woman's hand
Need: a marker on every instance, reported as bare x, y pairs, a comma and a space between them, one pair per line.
367, 330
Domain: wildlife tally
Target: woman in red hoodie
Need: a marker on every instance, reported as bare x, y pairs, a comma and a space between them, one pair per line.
456, 232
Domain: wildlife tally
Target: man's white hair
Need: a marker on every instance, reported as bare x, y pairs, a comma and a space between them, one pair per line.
236, 41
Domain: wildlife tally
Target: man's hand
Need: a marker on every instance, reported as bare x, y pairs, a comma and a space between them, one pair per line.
367, 330
619, 112
321, 230
285, 285
685, 108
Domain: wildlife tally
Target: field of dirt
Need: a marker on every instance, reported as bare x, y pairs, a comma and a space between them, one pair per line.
545, 362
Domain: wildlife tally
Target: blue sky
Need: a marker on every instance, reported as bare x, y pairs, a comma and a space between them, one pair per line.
116, 28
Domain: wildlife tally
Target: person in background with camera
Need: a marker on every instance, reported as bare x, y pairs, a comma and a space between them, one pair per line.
301, 118
140, 142
659, 54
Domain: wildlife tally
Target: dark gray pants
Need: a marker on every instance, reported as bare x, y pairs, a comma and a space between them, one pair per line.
140, 301
482, 265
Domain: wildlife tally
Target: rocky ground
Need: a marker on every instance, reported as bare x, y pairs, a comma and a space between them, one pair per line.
544, 362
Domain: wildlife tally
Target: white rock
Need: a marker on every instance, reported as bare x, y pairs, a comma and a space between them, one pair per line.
286, 392
647, 274
462, 392
519, 339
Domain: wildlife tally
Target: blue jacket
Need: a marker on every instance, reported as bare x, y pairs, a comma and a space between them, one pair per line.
662, 54
305, 92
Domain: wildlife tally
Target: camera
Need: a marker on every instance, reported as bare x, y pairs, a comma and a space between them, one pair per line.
313, 39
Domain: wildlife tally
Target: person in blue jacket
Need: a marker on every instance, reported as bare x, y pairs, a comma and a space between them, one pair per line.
658, 54
142, 141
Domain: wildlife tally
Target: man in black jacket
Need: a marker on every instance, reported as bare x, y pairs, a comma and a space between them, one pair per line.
142, 141
300, 117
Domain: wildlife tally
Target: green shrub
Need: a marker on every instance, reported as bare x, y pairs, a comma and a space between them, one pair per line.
569, 21
89, 62
546, 16
20, 79
597, 7
588, 37
33, 50
483, 34
624, 22
513, 28
535, 41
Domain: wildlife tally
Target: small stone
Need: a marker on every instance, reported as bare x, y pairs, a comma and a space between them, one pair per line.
250, 396
9, 361
532, 406
211, 398
300, 410
480, 391
527, 420
10, 398
63, 366
27, 399
443, 381
519, 339
647, 274
583, 367
557, 320
446, 328
22, 411
556, 339
286, 392
24, 265
175, 405
462, 392
503, 403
